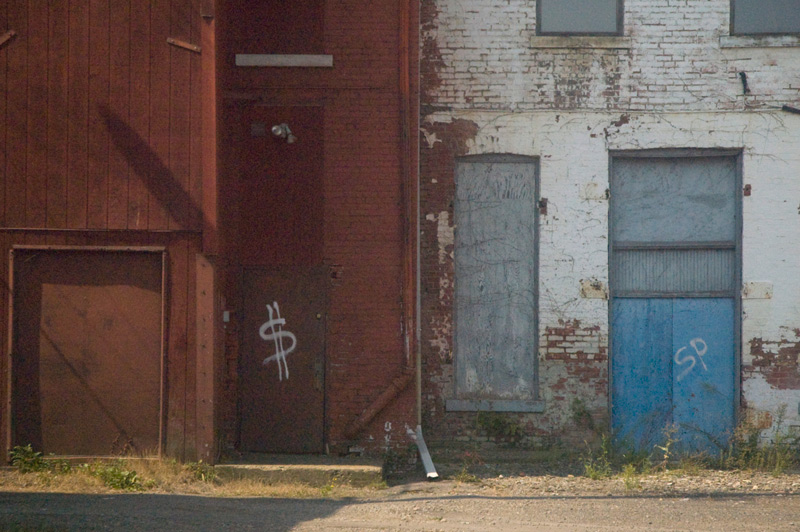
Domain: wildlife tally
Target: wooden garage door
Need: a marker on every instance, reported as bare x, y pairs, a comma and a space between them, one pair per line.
87, 350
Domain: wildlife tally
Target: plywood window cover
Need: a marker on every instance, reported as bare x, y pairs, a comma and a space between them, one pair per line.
773, 26
529, 405
284, 60
10, 325
619, 16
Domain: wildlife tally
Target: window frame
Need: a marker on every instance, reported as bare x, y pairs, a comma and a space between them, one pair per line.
619, 31
732, 32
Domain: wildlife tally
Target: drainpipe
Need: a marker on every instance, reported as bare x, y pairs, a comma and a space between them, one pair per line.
412, 368
412, 230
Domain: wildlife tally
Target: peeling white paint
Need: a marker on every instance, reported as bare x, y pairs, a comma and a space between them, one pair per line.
757, 290
441, 330
430, 138
762, 397
445, 236
593, 289
593, 192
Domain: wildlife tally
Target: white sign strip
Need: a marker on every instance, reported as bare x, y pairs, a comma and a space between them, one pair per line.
284, 60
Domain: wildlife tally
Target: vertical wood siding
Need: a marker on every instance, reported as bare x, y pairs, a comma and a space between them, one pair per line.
100, 116
100, 130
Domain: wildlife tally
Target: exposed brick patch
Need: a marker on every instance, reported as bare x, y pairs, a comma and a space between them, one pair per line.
778, 361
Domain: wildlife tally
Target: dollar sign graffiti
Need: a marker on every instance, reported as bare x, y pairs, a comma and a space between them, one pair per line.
271, 330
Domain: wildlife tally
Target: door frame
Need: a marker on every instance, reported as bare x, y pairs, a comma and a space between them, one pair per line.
7, 407
683, 153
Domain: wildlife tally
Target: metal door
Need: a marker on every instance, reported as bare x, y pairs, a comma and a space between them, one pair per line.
674, 273
87, 351
284, 283
282, 365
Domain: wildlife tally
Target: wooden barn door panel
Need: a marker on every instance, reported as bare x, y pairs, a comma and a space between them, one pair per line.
87, 351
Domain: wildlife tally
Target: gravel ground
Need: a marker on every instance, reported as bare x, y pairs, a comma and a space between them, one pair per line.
705, 500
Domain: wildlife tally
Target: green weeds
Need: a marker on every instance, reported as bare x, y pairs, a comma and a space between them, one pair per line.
499, 426
201, 471
26, 460
747, 449
115, 476
469, 461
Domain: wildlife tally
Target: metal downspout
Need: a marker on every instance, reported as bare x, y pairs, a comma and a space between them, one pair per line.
413, 216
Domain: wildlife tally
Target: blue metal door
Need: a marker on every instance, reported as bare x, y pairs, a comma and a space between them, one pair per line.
673, 367
674, 270
703, 372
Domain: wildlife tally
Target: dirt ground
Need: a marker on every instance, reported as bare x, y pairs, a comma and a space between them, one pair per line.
703, 500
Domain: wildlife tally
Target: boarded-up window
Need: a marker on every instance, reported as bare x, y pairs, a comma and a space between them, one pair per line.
496, 278
87, 351
764, 17
579, 17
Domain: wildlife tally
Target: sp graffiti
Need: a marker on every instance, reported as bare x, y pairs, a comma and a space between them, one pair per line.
700, 349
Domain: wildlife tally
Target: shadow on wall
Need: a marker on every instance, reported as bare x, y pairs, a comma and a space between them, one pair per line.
160, 181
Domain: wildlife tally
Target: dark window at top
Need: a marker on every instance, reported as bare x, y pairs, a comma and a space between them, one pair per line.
277, 26
579, 17
764, 17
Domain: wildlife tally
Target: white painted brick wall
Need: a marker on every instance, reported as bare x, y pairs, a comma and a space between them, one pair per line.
678, 80
573, 150
674, 62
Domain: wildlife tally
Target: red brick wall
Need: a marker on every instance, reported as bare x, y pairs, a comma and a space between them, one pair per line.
364, 208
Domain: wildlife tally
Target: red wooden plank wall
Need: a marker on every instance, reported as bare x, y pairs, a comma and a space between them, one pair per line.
100, 135
100, 115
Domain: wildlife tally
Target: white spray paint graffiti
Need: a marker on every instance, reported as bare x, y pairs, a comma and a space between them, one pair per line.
387, 428
271, 330
691, 358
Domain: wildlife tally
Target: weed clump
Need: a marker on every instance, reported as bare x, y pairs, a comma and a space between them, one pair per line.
746, 449
597, 464
499, 426
26, 460
469, 461
115, 476
201, 471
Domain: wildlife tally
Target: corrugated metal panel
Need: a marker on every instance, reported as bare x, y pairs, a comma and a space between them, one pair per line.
495, 261
674, 270
673, 199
